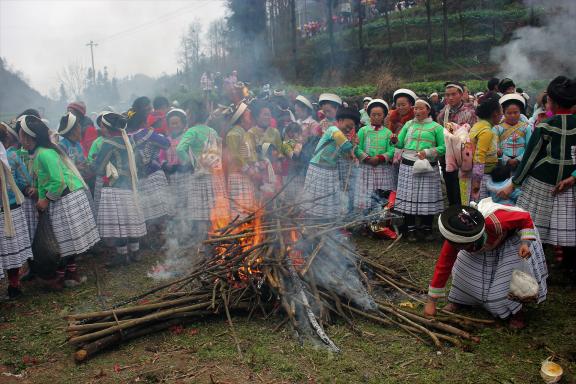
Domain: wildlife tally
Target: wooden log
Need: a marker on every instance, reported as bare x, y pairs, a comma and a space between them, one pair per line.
136, 322
89, 350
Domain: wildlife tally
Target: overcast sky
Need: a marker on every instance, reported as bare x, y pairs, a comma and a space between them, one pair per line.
40, 37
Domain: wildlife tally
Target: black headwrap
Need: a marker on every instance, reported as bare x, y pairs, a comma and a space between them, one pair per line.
563, 91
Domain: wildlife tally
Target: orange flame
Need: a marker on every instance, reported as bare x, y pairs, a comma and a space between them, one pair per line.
220, 217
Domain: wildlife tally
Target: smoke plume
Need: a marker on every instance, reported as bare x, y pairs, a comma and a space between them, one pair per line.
541, 52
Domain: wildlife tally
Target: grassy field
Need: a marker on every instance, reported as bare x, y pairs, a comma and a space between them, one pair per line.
33, 348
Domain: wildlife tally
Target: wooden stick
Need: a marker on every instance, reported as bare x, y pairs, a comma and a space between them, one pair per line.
135, 322
312, 257
230, 324
137, 308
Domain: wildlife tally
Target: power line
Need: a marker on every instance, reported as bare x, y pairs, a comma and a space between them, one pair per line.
158, 20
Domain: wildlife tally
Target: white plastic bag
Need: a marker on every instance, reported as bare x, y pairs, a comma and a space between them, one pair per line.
523, 285
422, 166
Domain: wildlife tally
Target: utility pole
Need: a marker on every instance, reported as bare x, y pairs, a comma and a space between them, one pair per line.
91, 44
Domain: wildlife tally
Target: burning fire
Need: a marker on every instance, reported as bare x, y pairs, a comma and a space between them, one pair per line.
220, 219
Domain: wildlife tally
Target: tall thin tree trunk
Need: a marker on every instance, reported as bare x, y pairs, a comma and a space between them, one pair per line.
386, 11
461, 21
429, 29
445, 27
294, 37
360, 31
331, 33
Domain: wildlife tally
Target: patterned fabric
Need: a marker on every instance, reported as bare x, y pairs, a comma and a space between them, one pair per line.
31, 213
73, 223
554, 216
463, 114
94, 149
512, 139
242, 195
51, 175
483, 278
20, 174
237, 150
114, 151
370, 179
147, 147
73, 149
14, 251
295, 187
119, 215
419, 194
195, 139
256, 136
425, 135
178, 185
322, 192
551, 153
153, 196
374, 141
201, 197
98, 184
486, 147
332, 143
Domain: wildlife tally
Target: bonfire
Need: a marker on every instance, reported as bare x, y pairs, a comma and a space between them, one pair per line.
276, 264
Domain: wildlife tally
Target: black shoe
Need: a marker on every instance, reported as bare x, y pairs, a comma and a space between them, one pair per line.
14, 292
428, 235
411, 236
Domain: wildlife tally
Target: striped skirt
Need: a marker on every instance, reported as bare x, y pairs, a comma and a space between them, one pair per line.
73, 223
322, 193
554, 216
179, 183
293, 191
483, 279
119, 214
153, 195
242, 195
201, 197
370, 179
14, 251
31, 214
419, 194
98, 183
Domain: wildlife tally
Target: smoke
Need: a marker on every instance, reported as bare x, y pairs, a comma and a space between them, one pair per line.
543, 52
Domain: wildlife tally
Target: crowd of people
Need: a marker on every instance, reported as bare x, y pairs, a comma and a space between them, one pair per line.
157, 172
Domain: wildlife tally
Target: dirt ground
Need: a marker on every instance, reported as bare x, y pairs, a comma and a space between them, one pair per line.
33, 345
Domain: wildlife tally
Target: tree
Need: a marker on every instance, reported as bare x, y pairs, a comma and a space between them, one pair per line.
445, 27
429, 28
63, 97
361, 14
385, 6
330, 4
73, 78
293, 34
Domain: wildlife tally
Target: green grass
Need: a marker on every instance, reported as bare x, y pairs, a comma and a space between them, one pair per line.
35, 330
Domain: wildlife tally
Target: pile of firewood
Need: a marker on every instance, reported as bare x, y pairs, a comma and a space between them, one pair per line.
274, 262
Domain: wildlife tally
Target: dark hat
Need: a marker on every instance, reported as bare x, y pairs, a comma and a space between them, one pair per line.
461, 224
113, 121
